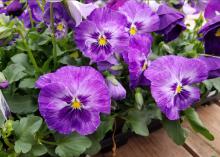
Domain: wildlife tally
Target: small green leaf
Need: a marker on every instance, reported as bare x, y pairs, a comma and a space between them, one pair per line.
27, 83
21, 104
38, 150
25, 130
175, 131
73, 145
197, 124
21, 146
14, 72
138, 121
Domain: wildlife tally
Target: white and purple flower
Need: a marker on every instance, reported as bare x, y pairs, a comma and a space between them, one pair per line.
72, 98
102, 34
171, 83
141, 19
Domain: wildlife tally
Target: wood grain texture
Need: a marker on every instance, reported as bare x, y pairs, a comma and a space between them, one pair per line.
158, 144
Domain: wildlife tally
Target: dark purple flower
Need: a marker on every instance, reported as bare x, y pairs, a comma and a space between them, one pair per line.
101, 34
178, 4
210, 35
212, 9
115, 88
171, 83
35, 11
141, 19
72, 98
62, 20
171, 22
12, 7
213, 65
115, 4
137, 59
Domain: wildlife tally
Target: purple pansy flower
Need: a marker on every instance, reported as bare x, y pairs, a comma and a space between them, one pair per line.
115, 4
137, 59
171, 22
212, 9
210, 35
213, 65
12, 7
141, 19
171, 79
101, 34
115, 88
80, 10
62, 20
36, 13
74, 96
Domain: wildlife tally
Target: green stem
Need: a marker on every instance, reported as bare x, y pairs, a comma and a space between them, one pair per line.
48, 142
30, 15
30, 54
53, 36
8, 143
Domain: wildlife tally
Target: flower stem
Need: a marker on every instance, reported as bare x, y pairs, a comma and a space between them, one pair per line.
8, 143
48, 142
30, 15
53, 35
114, 147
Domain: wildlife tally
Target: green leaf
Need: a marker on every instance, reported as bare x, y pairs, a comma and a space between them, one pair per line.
105, 126
38, 150
73, 145
14, 72
95, 147
25, 130
138, 121
27, 83
175, 131
197, 124
21, 104
21, 146
216, 83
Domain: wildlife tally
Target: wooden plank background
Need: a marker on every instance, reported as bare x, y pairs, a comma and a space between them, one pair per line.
158, 144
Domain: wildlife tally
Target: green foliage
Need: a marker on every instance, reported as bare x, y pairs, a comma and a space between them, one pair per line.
72, 145
175, 131
197, 124
25, 132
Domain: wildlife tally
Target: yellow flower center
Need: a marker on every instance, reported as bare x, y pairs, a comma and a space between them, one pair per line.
60, 27
144, 66
76, 104
217, 34
102, 41
179, 89
133, 30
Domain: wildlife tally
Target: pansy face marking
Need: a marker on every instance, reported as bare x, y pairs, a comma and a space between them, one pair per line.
76, 104
60, 26
102, 40
133, 30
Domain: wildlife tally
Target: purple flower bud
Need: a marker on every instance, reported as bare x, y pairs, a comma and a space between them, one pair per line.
116, 90
4, 84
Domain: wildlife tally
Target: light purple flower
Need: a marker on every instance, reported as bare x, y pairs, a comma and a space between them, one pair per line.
62, 20
213, 65
171, 79
141, 19
137, 59
80, 10
171, 22
101, 34
198, 5
116, 90
72, 98
212, 9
